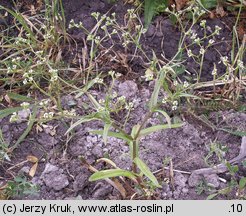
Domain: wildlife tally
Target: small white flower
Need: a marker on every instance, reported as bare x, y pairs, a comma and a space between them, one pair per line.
129, 106
240, 64
111, 73
189, 53
100, 109
48, 115
25, 81
101, 101
202, 51
174, 107
211, 41
214, 72
203, 23
175, 82
186, 84
114, 95
114, 32
98, 80
175, 103
164, 101
193, 36
122, 98
197, 40
224, 60
226, 78
95, 15
217, 30
14, 117
25, 105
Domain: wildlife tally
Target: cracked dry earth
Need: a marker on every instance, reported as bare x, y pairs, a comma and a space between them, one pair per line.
61, 175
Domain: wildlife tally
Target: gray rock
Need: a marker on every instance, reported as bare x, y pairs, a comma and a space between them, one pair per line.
211, 180
46, 140
151, 30
195, 179
81, 180
180, 180
23, 114
185, 190
128, 89
24, 170
102, 190
54, 178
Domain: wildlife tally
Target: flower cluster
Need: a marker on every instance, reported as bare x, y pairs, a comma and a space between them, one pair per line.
28, 77
54, 75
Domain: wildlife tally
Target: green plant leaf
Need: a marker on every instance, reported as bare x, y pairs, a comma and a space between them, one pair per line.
135, 131
146, 171
105, 132
83, 120
211, 196
242, 183
94, 101
29, 127
149, 11
114, 134
9, 111
155, 94
208, 4
236, 132
166, 116
18, 97
151, 7
111, 173
156, 128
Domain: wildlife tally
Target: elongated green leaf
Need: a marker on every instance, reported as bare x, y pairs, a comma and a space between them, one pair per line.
189, 95
155, 94
19, 17
114, 134
135, 130
208, 4
28, 129
87, 87
18, 97
105, 132
9, 111
94, 102
166, 116
211, 196
146, 171
111, 173
82, 120
155, 128
149, 11
242, 183
151, 7
236, 132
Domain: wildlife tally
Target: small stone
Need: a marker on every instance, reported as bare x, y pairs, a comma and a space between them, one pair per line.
81, 180
102, 191
212, 180
151, 30
185, 190
54, 178
194, 180
180, 180
24, 170
128, 89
